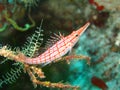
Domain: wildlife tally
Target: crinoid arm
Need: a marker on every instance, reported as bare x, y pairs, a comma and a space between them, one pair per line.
55, 85
71, 57
36, 73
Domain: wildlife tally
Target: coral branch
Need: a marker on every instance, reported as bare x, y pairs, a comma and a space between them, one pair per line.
32, 71
70, 57
102, 58
38, 71
55, 85
11, 55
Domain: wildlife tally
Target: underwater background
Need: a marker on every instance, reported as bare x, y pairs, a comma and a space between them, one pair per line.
21, 22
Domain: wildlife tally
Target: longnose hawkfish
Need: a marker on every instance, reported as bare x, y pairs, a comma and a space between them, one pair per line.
59, 49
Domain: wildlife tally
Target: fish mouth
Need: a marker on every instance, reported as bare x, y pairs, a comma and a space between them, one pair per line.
86, 25
83, 28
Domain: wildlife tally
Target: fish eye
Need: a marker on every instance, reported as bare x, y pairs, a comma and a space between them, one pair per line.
76, 35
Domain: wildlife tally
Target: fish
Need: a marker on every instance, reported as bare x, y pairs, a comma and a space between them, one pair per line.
99, 83
61, 46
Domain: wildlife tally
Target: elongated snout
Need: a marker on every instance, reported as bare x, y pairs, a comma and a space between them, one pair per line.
83, 28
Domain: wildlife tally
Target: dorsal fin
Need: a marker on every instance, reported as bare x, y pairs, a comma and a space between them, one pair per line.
53, 39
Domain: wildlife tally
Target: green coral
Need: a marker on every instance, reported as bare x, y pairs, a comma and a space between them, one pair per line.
32, 45
11, 76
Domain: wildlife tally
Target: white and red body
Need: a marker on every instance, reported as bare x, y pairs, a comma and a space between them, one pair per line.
59, 49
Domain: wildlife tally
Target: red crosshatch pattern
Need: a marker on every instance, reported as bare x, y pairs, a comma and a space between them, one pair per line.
59, 49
